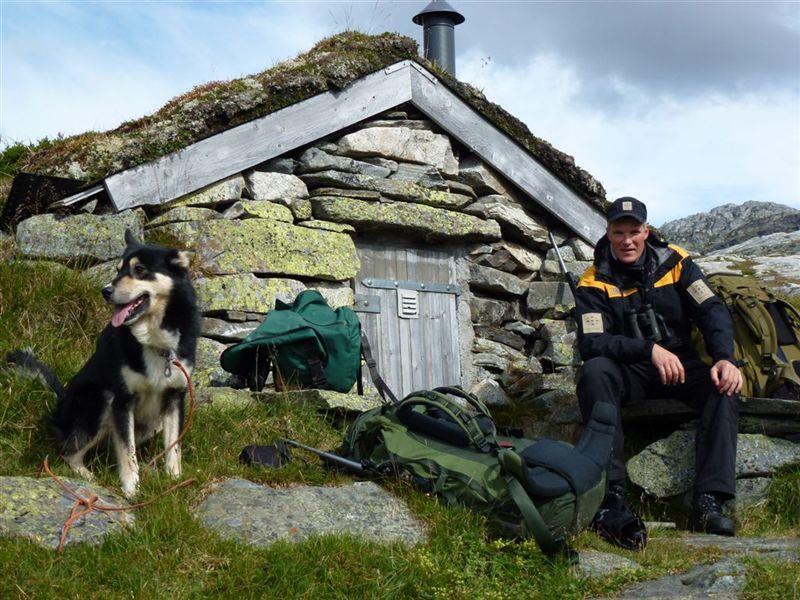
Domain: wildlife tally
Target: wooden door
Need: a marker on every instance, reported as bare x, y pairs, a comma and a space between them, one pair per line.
412, 353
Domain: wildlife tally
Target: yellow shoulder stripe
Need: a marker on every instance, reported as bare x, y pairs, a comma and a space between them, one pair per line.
672, 276
588, 280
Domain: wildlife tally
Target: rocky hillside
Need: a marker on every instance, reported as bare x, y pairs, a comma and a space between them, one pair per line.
730, 224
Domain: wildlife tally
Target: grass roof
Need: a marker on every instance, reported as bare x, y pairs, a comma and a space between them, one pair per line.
213, 107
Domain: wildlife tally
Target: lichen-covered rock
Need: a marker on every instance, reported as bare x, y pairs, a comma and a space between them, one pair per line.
722, 579
102, 273
502, 335
547, 295
224, 397
423, 175
395, 189
490, 392
225, 331
483, 346
326, 399
180, 214
78, 237
522, 376
495, 281
592, 563
474, 172
315, 159
420, 221
274, 186
551, 269
517, 224
666, 467
335, 294
567, 254
561, 353
346, 193
507, 256
246, 293
243, 511
271, 247
181, 235
328, 226
260, 209
36, 509
401, 144
207, 370
492, 312
228, 190
581, 249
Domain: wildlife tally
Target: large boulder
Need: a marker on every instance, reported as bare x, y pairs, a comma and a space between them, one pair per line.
395, 189
401, 144
420, 221
487, 311
80, 237
207, 370
36, 509
246, 293
666, 467
271, 247
259, 515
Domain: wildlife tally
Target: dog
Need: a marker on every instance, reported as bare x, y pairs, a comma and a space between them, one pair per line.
129, 390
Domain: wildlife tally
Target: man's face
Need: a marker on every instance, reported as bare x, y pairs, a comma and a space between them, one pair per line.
627, 237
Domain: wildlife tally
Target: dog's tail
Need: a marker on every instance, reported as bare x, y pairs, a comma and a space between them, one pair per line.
28, 363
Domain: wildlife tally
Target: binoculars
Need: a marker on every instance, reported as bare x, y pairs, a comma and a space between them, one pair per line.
646, 325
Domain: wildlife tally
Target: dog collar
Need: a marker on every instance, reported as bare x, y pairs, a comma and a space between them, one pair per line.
168, 356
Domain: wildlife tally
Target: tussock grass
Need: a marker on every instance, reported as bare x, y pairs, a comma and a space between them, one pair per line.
168, 554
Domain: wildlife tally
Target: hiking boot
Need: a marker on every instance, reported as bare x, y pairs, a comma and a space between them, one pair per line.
615, 523
707, 516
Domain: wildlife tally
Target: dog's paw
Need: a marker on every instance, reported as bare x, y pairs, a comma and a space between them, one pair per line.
130, 487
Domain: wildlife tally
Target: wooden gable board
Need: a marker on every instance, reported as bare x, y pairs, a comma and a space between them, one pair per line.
243, 147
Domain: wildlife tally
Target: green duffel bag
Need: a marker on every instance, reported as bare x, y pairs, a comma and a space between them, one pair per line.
446, 442
307, 343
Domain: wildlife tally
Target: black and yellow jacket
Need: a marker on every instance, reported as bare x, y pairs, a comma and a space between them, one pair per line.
671, 283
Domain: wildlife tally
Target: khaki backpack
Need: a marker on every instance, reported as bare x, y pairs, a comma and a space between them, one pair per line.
766, 337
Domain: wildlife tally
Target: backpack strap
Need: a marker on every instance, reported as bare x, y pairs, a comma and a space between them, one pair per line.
315, 366
468, 423
534, 523
471, 398
372, 365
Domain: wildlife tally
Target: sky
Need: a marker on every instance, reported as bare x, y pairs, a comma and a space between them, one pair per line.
685, 105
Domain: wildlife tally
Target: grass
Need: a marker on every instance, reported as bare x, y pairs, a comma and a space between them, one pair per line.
168, 554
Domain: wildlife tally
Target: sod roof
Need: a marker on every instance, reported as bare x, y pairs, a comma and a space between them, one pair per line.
213, 107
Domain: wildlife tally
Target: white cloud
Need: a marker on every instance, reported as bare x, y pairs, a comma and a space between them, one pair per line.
680, 157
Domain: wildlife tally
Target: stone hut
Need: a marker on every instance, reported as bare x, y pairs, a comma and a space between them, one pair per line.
361, 170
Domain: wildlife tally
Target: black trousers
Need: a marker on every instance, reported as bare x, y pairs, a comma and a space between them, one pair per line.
605, 380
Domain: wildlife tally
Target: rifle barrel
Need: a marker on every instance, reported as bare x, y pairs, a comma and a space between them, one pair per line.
570, 277
351, 465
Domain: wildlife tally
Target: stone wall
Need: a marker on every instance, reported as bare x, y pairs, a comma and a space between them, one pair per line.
289, 225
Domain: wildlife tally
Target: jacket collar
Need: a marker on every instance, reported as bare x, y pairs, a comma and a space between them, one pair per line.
661, 258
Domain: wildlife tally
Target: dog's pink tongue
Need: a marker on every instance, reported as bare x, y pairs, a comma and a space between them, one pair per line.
121, 313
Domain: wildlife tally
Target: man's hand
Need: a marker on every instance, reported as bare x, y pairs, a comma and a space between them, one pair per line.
726, 377
669, 366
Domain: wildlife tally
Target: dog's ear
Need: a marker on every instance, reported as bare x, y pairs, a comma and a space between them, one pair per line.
130, 239
180, 258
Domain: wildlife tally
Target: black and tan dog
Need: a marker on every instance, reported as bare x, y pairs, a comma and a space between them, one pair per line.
129, 390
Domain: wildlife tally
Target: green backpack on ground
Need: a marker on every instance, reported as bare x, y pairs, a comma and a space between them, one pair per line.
446, 441
309, 344
766, 337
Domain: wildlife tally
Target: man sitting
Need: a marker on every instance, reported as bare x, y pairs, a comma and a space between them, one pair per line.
635, 307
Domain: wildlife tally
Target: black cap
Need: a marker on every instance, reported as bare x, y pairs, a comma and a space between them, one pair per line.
627, 207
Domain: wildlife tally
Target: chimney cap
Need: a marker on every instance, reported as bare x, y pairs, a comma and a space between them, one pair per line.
438, 7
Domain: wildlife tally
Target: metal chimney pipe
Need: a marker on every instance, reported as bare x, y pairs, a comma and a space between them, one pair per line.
438, 21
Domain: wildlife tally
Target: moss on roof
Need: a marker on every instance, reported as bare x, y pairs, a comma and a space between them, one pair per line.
216, 106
